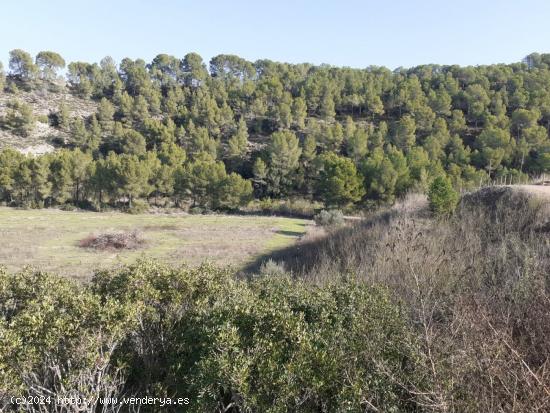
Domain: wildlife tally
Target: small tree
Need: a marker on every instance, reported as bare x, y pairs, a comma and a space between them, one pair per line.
339, 183
19, 118
442, 197
234, 192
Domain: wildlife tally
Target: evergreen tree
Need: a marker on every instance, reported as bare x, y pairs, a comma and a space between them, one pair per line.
40, 186
131, 178
339, 183
260, 172
19, 118
442, 197
284, 155
21, 65
48, 64
380, 177
237, 145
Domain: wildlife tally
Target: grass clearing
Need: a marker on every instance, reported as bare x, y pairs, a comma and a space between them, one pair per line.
49, 239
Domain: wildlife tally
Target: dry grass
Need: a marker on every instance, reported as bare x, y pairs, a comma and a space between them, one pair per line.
49, 239
476, 289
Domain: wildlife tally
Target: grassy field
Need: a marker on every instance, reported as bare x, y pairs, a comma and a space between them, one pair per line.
49, 239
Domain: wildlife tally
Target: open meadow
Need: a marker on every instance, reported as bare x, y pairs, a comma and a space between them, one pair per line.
49, 239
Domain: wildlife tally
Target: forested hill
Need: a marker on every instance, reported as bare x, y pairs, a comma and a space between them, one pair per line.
178, 130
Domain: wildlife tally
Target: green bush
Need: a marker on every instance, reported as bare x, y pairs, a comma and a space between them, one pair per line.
43, 119
271, 267
58, 338
331, 218
19, 118
138, 207
297, 207
269, 345
442, 197
287, 346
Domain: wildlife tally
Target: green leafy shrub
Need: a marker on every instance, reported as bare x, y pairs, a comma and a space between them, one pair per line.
138, 207
442, 197
58, 338
286, 346
272, 344
330, 218
295, 207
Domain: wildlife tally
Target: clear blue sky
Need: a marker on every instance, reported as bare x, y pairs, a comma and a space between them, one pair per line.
352, 33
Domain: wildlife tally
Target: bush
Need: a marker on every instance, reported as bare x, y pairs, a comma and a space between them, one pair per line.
330, 218
58, 340
43, 119
297, 207
113, 241
19, 118
271, 267
273, 344
138, 207
475, 286
442, 197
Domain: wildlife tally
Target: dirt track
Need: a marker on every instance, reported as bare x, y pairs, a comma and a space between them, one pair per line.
534, 189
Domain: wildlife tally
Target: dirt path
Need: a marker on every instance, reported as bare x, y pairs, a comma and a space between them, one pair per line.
534, 189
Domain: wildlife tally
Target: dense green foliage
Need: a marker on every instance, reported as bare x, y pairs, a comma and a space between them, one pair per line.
275, 124
442, 197
270, 345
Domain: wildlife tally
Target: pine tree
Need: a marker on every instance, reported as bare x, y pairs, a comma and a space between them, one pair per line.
284, 155
39, 183
339, 184
442, 197
237, 145
259, 170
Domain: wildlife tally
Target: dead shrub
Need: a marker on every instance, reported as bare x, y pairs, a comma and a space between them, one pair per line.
115, 240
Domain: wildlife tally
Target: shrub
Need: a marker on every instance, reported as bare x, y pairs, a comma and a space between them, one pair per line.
113, 241
19, 118
273, 344
475, 286
43, 119
297, 207
330, 218
442, 197
58, 340
271, 267
138, 207
288, 346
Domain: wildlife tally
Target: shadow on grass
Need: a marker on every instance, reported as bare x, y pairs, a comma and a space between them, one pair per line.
290, 233
301, 258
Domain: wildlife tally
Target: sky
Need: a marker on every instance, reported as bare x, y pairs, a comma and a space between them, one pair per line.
354, 33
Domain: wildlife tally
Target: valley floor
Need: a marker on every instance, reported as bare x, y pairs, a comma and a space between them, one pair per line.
49, 238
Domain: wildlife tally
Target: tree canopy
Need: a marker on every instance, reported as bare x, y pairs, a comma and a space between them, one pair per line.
292, 129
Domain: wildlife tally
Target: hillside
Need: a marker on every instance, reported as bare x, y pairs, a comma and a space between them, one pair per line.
362, 246
154, 130
44, 102
476, 288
